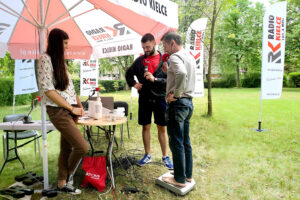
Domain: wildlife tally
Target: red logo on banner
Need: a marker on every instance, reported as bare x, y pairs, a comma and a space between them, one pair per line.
196, 56
118, 28
274, 34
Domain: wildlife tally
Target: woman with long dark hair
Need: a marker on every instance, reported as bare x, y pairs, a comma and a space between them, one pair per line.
63, 107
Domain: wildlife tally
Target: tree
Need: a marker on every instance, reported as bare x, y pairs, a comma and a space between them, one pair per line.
239, 38
214, 7
74, 68
120, 64
7, 66
292, 49
190, 10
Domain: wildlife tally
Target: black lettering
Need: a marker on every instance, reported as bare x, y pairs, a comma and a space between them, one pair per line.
152, 4
161, 9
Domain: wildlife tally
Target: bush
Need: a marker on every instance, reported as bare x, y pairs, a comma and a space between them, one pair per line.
76, 83
111, 86
105, 85
227, 81
7, 93
285, 80
251, 80
7, 90
294, 79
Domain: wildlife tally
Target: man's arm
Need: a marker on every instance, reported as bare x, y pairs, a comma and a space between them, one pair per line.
129, 75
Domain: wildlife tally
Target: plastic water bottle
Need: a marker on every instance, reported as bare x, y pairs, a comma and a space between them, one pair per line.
98, 107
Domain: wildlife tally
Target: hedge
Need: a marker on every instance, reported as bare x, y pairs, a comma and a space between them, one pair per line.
7, 90
105, 85
294, 79
113, 85
251, 80
285, 80
226, 81
7, 94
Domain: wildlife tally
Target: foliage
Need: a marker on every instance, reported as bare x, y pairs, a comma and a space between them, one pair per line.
226, 81
7, 66
7, 94
292, 48
251, 80
285, 80
76, 83
7, 90
294, 79
116, 85
238, 38
74, 68
115, 64
109, 85
104, 85
189, 11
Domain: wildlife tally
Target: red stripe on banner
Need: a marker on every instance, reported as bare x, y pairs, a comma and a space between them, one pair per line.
136, 22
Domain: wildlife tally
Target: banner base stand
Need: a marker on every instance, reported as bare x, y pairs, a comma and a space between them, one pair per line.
259, 128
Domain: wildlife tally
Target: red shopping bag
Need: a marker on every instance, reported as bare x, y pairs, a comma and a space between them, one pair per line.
95, 172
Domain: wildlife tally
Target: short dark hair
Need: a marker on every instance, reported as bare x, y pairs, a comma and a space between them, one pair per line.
172, 35
147, 37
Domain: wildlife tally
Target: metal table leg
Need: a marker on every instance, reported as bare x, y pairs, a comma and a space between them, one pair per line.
88, 133
7, 150
109, 151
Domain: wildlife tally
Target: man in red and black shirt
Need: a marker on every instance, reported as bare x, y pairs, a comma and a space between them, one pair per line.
151, 86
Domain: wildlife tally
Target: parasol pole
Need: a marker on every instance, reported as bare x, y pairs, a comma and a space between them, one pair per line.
43, 106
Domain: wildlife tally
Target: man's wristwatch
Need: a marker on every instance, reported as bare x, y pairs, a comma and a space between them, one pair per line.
155, 79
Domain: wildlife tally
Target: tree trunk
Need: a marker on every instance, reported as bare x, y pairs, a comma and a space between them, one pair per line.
237, 60
210, 59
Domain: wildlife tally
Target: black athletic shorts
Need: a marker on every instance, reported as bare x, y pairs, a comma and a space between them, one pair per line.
149, 105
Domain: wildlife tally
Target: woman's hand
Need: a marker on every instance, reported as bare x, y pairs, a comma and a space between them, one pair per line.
77, 111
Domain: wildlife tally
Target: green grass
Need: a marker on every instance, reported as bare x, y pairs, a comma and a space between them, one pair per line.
231, 161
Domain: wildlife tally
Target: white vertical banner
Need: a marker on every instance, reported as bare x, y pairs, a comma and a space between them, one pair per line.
25, 80
273, 51
89, 72
194, 45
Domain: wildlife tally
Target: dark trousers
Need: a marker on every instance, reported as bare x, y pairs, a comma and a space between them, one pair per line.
178, 117
72, 143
